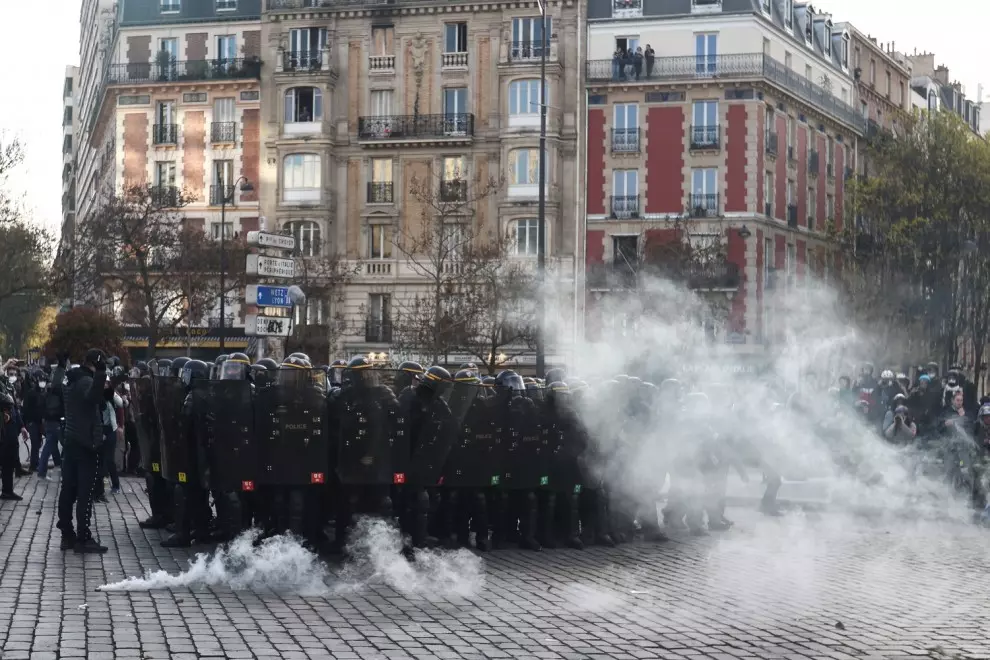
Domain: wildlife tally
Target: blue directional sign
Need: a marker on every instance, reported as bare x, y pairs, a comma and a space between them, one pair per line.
267, 296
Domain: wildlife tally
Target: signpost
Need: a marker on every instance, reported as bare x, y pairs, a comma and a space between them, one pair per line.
264, 239
270, 266
267, 296
266, 326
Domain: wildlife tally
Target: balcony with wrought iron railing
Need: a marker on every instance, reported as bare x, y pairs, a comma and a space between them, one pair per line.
705, 137
377, 331
223, 132
380, 192
729, 67
164, 196
703, 205
399, 128
163, 71
302, 60
625, 141
624, 206
627, 8
531, 52
164, 134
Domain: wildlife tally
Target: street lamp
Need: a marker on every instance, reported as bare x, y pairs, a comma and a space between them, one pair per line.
224, 200
541, 249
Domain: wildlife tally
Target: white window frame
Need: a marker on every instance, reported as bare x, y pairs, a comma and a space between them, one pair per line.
625, 193
527, 236
460, 47
290, 105
383, 232
169, 168
525, 36
789, 13
526, 160
226, 47
379, 307
524, 102
700, 119
310, 306
306, 183
844, 56
306, 232
228, 231
170, 6
625, 127
765, 5
827, 45
706, 54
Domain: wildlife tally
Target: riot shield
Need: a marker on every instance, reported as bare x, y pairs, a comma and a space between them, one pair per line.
176, 459
476, 458
430, 449
459, 398
233, 456
370, 424
146, 424
565, 444
526, 459
291, 433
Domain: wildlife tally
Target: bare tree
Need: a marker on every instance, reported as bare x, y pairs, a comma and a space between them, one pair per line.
434, 320
324, 277
138, 255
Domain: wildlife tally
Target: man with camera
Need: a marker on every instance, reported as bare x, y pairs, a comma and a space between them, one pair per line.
898, 427
84, 437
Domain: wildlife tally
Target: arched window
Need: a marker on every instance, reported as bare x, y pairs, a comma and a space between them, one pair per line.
303, 105
301, 178
307, 235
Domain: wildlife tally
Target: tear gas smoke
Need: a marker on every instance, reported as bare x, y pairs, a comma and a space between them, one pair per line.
283, 565
666, 331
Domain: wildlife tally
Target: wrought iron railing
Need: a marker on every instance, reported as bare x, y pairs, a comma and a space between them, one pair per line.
705, 137
748, 65
406, 127
703, 205
625, 140
223, 131
164, 196
164, 134
302, 60
380, 193
771, 144
625, 206
716, 275
453, 191
377, 331
528, 51
183, 70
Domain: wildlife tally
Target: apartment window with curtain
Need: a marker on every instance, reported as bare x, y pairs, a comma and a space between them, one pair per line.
301, 178
527, 237
382, 40
527, 37
307, 235
303, 105
524, 171
380, 242
380, 188
453, 181
704, 129
524, 103
305, 48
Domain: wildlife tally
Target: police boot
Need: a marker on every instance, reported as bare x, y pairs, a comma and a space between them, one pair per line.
547, 532
202, 515
346, 504
181, 508
572, 522
421, 521
498, 518
600, 525
528, 519
157, 520
294, 517
449, 512
479, 522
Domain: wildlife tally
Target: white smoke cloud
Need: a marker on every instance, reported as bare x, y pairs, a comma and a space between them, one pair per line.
282, 564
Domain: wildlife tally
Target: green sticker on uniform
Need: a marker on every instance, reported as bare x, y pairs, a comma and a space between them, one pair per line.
577, 489
495, 481
544, 481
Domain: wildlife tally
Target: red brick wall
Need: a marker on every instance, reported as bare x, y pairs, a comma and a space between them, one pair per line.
251, 152
248, 224
840, 184
595, 250
596, 161
760, 175
779, 255
780, 178
735, 158
802, 175
759, 282
737, 255
802, 258
822, 178
194, 154
665, 131
135, 149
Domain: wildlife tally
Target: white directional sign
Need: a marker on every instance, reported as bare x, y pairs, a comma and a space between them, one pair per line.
264, 239
270, 266
266, 326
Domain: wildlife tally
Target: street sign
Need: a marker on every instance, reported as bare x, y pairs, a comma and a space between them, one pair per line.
267, 296
270, 266
266, 326
264, 239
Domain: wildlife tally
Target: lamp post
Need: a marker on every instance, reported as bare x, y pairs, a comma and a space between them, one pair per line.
541, 236
224, 197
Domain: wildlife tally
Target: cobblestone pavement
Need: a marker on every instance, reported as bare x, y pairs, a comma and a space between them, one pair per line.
795, 587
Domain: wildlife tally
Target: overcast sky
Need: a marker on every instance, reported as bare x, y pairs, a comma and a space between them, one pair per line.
31, 77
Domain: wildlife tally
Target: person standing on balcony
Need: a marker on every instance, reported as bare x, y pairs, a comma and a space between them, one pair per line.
651, 57
637, 62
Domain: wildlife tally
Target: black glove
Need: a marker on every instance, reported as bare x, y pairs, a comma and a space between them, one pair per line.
62, 359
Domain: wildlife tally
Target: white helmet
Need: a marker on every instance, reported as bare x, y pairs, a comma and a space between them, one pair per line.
887, 374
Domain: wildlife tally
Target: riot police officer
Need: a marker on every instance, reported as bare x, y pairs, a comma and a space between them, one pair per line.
517, 516
406, 378
146, 424
191, 506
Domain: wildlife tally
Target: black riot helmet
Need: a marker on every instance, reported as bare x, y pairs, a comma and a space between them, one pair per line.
193, 370
268, 363
164, 367
293, 371
468, 376
142, 367
509, 384
534, 391
408, 372
235, 367
437, 379
557, 392
220, 359
468, 366
175, 369
259, 375
301, 356
336, 372
556, 375
359, 373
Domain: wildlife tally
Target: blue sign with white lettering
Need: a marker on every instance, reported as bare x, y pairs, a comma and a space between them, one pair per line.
273, 296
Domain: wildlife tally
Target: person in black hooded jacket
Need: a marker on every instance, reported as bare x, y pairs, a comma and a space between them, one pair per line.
83, 437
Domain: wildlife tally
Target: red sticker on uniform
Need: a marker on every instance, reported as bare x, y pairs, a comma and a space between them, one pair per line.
440, 482
247, 486
399, 478
317, 478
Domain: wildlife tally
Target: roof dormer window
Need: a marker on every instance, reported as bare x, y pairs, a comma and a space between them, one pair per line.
809, 22
827, 39
844, 55
789, 13
766, 6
